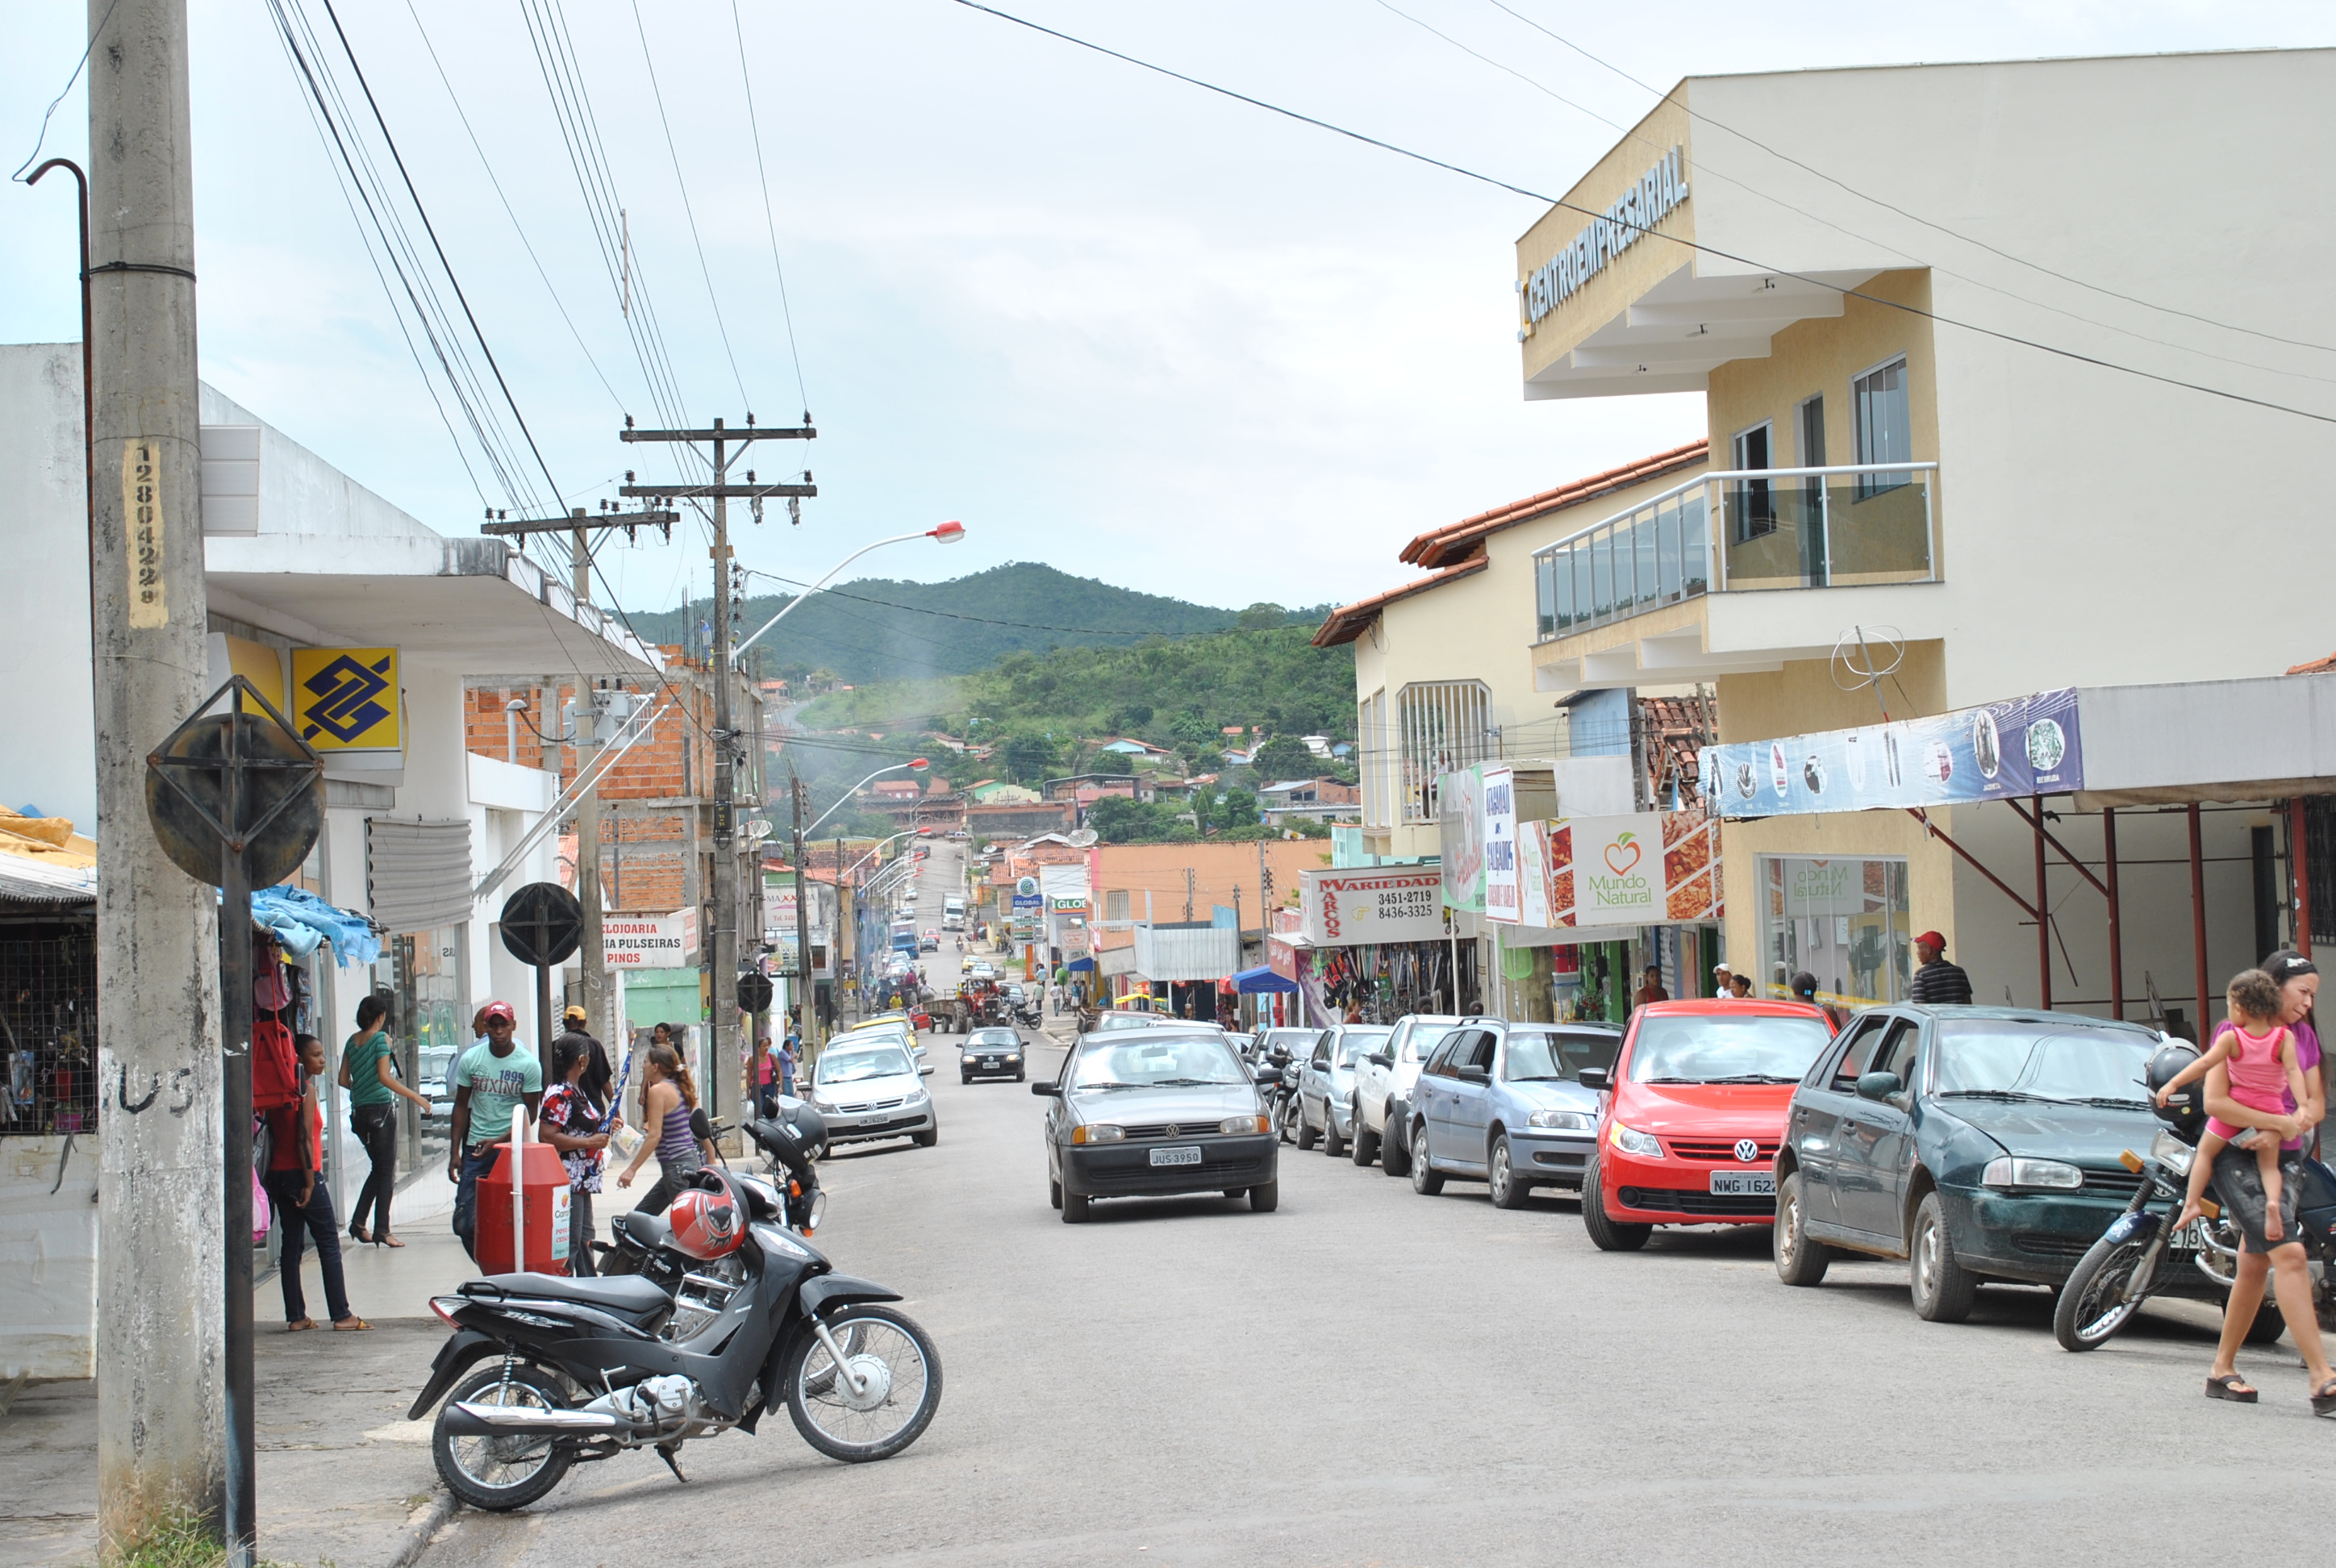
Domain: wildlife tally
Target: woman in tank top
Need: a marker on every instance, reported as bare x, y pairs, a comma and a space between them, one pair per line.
668, 1097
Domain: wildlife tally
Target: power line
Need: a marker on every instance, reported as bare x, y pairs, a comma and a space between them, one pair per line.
2069, 354
769, 222
681, 184
40, 141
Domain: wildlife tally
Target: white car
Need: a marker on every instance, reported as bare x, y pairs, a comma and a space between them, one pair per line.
868, 1086
1383, 1082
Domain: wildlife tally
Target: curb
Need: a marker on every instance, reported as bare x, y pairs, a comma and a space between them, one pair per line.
420, 1527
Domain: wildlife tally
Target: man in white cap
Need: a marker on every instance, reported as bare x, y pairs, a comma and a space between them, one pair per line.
1720, 976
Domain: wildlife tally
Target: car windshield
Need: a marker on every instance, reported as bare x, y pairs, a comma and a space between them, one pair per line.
1122, 1022
1183, 1059
1725, 1049
1426, 1034
2026, 1059
1544, 1054
1357, 1044
852, 1067
995, 1038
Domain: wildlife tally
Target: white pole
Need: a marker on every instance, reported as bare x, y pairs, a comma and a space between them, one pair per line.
518, 1188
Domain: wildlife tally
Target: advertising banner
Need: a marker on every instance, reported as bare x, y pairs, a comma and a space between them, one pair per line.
346, 698
1346, 908
2024, 747
668, 942
1500, 847
1647, 868
1460, 805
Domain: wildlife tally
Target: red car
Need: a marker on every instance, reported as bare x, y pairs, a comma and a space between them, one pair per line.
1688, 1132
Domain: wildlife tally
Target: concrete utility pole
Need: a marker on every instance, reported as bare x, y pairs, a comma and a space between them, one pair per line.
161, 1258
806, 984
724, 1077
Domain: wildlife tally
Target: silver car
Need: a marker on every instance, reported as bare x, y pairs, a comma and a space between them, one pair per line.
1383, 1081
868, 1086
1325, 1085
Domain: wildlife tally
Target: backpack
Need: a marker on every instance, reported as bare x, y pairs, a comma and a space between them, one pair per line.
275, 1066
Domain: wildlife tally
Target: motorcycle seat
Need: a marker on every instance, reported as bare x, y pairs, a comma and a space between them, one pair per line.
647, 1231
627, 1293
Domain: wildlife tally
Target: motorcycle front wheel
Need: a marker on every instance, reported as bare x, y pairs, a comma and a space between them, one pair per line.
2089, 1312
887, 1400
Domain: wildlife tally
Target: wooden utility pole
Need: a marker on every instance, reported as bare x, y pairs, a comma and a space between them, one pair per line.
726, 1063
165, 1385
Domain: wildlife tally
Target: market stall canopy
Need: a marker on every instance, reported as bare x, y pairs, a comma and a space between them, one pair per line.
1252, 983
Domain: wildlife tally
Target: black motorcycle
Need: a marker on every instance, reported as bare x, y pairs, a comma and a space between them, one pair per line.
1277, 1083
582, 1370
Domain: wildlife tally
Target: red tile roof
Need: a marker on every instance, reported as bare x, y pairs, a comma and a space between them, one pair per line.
2317, 666
1347, 624
1461, 541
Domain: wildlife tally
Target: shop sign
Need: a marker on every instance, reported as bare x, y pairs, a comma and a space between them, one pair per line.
666, 941
1499, 846
1346, 908
1650, 867
1823, 888
2025, 746
346, 698
1460, 801
1622, 225
1069, 906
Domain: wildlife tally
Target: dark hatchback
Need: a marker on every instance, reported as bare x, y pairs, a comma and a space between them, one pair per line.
1156, 1112
1981, 1143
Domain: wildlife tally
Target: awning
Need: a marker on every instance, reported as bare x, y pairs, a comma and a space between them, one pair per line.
1081, 966
1252, 982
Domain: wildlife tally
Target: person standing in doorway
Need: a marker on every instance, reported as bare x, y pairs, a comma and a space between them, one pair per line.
304, 1205
369, 1074
1720, 989
1652, 990
1937, 980
491, 1082
575, 1123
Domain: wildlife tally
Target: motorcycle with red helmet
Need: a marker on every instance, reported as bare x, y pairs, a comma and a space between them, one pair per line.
582, 1370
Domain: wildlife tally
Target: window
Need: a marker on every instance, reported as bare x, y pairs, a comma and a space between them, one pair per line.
1897, 1053
1754, 507
1377, 760
1443, 725
1812, 424
1858, 1060
1478, 1053
1114, 904
1885, 431
1843, 920
1442, 1060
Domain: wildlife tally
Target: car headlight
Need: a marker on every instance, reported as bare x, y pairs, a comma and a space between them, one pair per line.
824, 1107
2172, 1152
1014, 1058
1097, 1133
1631, 1140
1565, 1121
1242, 1125
2010, 1172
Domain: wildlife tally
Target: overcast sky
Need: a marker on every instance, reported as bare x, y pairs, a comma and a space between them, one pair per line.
1109, 321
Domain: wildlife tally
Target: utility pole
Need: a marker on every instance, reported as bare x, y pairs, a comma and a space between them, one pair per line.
806, 986
725, 1077
165, 1390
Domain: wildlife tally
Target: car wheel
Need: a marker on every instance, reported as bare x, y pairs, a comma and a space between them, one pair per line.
1395, 1157
928, 1138
1364, 1147
1799, 1261
1054, 1194
1943, 1289
1074, 1208
1426, 1178
1606, 1234
1332, 1143
965, 1077
1264, 1200
1508, 1193
1307, 1136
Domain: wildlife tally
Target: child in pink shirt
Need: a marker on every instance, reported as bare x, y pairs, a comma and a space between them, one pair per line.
2258, 1054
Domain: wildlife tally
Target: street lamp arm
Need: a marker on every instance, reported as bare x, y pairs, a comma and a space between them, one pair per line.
814, 830
947, 533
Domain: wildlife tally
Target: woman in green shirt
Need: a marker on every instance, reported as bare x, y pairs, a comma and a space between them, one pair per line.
368, 1074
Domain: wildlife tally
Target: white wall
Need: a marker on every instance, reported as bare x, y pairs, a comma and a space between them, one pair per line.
45, 591
48, 1257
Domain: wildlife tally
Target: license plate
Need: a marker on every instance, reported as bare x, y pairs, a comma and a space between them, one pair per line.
990, 1061
1744, 1183
1184, 1156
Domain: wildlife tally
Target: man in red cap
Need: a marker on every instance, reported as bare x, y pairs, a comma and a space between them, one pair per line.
1937, 980
491, 1080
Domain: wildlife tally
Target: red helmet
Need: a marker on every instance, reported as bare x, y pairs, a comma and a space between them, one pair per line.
706, 1224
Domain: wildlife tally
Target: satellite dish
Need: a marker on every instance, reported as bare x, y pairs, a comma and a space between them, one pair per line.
1085, 838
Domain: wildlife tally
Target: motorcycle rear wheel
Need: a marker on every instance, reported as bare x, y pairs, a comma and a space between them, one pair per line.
500, 1474
900, 1377
2086, 1315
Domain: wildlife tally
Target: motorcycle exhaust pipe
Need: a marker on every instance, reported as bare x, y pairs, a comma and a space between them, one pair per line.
468, 1419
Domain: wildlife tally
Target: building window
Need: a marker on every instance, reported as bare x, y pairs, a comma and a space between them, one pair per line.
1885, 430
1843, 920
1377, 760
1754, 506
1441, 724
1114, 904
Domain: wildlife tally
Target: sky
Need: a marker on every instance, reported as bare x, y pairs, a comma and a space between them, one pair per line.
1107, 321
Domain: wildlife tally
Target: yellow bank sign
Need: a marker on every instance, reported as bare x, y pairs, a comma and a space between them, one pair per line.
346, 698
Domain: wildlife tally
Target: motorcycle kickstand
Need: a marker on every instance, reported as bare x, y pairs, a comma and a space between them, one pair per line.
666, 1451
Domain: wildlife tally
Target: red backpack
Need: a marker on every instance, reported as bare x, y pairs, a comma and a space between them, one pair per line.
275, 1066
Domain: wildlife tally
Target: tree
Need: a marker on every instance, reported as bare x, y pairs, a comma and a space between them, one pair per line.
1131, 718
1286, 757
1027, 758
1261, 616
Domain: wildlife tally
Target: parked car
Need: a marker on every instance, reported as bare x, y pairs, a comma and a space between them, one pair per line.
1296, 1043
868, 1086
1325, 1085
1137, 1018
1383, 1081
1689, 1129
989, 1054
1156, 1112
1983, 1143
1503, 1104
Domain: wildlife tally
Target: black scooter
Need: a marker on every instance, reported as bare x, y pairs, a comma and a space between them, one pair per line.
587, 1369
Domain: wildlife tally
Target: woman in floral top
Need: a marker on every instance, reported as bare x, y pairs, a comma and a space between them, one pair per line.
578, 1127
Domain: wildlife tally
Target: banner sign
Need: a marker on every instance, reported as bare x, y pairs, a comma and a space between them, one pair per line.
652, 941
1648, 869
346, 698
1347, 909
1460, 808
2025, 746
1500, 847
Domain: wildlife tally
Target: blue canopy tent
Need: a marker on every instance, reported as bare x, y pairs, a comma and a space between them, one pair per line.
1254, 982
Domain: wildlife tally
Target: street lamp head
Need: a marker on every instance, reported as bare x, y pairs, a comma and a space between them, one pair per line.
919, 763
947, 533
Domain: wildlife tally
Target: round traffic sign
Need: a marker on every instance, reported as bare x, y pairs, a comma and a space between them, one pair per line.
235, 783
542, 924
754, 991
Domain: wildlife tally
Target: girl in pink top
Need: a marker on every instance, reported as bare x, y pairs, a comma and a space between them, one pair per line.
2258, 1054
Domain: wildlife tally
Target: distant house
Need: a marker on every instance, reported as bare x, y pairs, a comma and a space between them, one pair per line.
1319, 745
1238, 758
1319, 800
1128, 748
999, 792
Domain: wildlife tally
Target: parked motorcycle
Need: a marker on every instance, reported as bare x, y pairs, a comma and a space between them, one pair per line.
1277, 1081
584, 1369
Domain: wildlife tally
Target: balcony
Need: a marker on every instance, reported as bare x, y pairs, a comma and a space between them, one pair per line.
1859, 526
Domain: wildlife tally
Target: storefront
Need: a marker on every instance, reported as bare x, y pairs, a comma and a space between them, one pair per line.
1373, 945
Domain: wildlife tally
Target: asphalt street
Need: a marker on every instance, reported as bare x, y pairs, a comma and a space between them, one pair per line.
1369, 1377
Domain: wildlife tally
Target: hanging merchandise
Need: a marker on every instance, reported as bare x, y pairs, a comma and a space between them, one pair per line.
275, 1066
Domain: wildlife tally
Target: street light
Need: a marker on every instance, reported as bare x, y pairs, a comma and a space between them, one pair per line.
907, 832
917, 765
947, 533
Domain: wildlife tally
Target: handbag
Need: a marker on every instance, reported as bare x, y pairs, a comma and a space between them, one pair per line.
262, 1214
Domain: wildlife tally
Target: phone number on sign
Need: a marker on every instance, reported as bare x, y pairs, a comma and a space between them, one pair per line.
1406, 904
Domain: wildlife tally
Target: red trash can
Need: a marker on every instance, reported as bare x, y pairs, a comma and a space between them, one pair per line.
544, 1191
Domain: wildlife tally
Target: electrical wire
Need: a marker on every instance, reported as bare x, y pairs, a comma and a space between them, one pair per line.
770, 222
79, 66
681, 184
1848, 293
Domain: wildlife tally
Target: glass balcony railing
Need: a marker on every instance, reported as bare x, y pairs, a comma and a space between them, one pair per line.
1741, 532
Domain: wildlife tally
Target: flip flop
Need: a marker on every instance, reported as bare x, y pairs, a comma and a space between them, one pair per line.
303, 1325
2231, 1386
349, 1325
2323, 1398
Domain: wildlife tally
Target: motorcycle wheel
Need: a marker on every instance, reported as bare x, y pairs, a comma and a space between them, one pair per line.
900, 1385
500, 1474
2088, 1315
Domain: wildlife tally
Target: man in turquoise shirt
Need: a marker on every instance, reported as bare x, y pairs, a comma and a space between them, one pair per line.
490, 1081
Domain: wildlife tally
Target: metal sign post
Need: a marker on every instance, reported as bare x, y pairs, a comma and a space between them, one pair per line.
237, 798
542, 925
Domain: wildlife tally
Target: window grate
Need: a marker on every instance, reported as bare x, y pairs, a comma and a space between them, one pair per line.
1442, 725
48, 1034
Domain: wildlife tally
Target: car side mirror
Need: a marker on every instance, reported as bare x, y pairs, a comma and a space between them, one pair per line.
1380, 1059
1596, 1078
1878, 1086
1053, 1091
925, 1071
1474, 1075
919, 1051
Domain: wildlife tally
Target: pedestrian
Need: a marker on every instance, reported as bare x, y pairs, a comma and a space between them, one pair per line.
1739, 986
1805, 989
766, 1075
368, 1073
2260, 1058
303, 1204
1652, 990
789, 1053
668, 1097
577, 1124
491, 1082
1937, 980
1720, 989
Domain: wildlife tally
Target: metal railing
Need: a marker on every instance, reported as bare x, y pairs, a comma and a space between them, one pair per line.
1842, 527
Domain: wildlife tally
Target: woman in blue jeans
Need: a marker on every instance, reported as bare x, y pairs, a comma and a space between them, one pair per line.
368, 1073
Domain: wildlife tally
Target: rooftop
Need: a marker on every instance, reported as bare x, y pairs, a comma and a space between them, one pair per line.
1463, 540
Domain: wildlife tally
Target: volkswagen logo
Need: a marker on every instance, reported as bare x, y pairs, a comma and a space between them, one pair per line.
1747, 1150
1173, 1130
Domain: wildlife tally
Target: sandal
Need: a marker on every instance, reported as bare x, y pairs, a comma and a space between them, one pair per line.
357, 1232
349, 1325
2234, 1387
2323, 1398
304, 1324
386, 1239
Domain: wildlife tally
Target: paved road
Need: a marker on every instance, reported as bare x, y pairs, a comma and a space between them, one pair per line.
1368, 1377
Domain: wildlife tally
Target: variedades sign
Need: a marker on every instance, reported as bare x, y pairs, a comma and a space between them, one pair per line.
2024, 747
1640, 209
